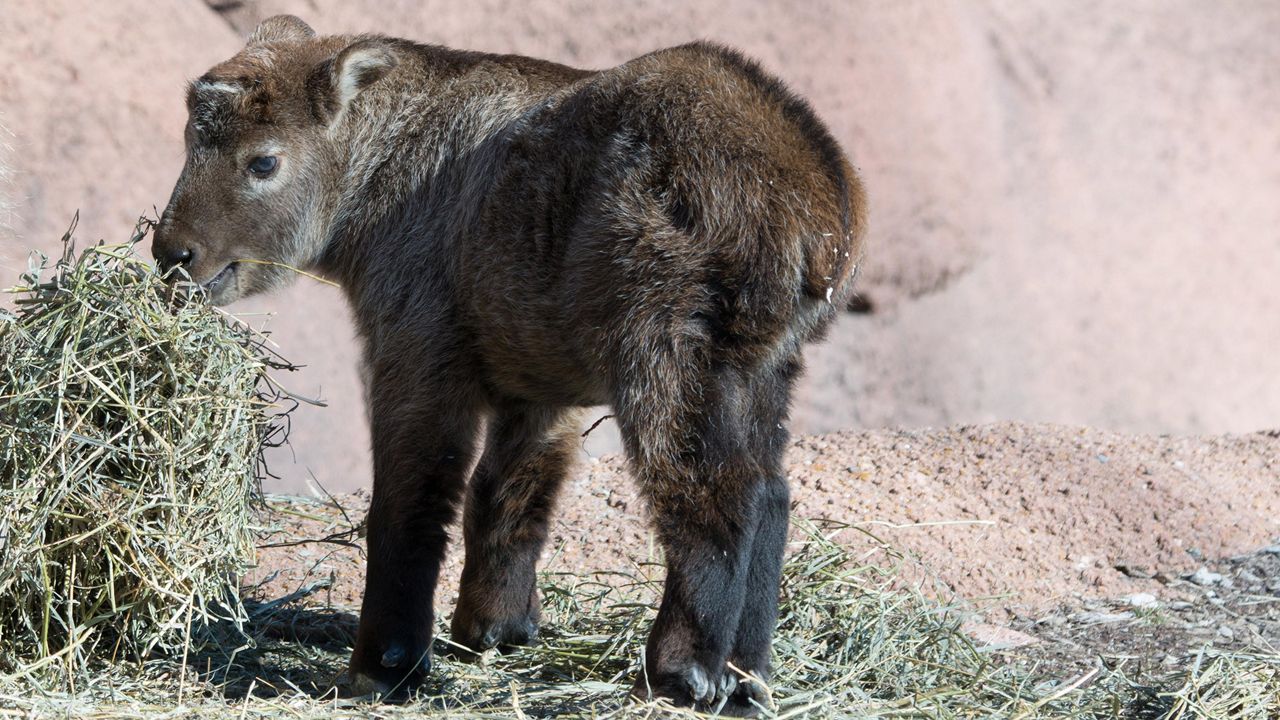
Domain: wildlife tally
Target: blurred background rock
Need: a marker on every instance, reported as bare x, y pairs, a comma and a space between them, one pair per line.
1075, 207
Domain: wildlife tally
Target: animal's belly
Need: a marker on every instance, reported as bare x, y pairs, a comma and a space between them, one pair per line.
543, 373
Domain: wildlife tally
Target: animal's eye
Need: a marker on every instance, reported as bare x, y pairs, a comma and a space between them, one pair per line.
262, 166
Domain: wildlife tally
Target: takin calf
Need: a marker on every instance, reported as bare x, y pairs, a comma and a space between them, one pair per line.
520, 240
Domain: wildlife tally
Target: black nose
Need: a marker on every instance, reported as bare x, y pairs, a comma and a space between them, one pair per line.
173, 256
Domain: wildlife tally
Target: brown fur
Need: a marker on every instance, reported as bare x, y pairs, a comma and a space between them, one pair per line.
518, 239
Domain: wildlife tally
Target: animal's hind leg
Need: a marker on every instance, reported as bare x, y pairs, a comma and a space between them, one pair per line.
685, 432
770, 395
509, 501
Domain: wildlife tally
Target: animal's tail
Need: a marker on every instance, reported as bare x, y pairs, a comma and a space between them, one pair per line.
832, 259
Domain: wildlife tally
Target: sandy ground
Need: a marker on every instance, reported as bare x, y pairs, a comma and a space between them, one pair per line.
1017, 518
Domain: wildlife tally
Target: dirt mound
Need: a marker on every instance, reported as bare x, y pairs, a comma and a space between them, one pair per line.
1025, 515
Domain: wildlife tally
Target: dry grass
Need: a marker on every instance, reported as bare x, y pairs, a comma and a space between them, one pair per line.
852, 644
130, 430
1236, 685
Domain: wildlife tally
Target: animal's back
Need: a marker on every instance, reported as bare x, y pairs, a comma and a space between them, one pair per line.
684, 192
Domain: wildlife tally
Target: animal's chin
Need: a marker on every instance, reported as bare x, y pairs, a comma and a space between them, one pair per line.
221, 288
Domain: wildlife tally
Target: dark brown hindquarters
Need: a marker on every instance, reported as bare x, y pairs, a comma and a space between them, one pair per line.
740, 254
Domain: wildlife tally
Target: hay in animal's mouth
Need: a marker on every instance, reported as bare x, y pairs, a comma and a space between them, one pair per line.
131, 430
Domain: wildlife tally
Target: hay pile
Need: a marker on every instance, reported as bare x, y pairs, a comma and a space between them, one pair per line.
131, 428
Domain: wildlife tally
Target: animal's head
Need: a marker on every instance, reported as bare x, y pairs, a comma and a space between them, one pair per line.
265, 161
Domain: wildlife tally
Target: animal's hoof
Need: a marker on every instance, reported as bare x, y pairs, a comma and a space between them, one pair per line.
399, 671
748, 699
691, 687
502, 634
362, 685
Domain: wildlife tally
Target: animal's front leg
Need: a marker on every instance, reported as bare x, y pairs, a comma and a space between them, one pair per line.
423, 444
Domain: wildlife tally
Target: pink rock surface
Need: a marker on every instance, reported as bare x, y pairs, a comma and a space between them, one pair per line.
1074, 206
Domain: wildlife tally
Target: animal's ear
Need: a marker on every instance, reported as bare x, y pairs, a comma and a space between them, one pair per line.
337, 83
281, 27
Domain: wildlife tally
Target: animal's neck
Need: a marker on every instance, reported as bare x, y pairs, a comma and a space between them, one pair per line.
414, 162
